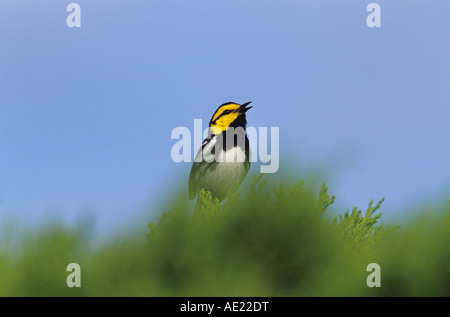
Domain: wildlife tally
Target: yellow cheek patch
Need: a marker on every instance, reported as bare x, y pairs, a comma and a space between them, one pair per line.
231, 107
224, 122
215, 130
223, 117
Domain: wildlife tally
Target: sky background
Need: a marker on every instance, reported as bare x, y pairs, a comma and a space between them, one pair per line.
86, 114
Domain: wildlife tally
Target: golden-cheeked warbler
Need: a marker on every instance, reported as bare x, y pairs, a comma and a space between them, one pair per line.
223, 160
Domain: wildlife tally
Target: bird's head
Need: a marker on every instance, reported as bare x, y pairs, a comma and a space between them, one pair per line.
229, 114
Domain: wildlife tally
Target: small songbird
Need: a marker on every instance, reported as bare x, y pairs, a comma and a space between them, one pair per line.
221, 164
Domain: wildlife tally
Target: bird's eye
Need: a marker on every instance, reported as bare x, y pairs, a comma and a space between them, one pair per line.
227, 112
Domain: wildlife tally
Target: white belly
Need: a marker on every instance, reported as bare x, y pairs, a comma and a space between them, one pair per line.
220, 170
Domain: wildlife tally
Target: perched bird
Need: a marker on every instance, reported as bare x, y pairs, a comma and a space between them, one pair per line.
223, 160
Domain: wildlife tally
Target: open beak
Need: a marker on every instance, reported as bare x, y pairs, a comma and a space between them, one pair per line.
243, 108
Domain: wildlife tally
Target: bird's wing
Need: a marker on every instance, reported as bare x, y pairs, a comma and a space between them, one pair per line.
193, 176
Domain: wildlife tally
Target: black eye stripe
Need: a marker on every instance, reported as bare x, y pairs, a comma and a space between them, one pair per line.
223, 113
214, 122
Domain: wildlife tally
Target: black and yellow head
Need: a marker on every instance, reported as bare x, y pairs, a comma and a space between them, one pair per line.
229, 114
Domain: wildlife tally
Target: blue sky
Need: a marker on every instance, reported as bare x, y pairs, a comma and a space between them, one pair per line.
86, 114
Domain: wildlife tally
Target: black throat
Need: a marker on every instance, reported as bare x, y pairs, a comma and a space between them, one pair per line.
241, 121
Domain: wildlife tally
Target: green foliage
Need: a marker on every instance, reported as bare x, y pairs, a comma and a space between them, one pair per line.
324, 199
362, 230
155, 229
358, 229
206, 206
264, 240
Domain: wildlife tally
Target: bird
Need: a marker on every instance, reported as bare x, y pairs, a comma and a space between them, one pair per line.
222, 162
